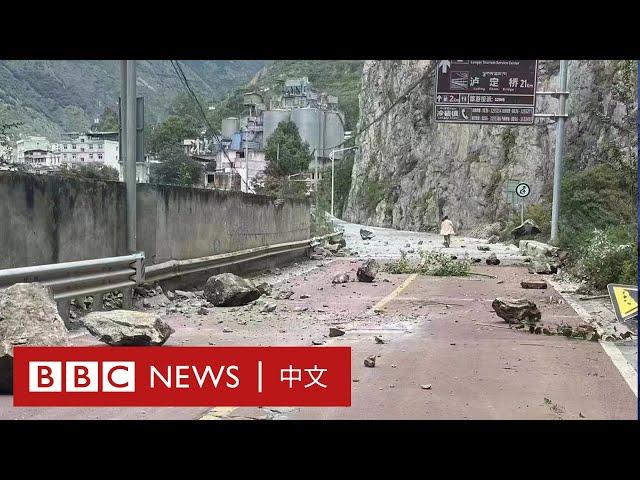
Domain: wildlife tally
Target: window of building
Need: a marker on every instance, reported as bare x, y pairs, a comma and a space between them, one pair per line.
73, 155
73, 146
90, 156
90, 146
99, 156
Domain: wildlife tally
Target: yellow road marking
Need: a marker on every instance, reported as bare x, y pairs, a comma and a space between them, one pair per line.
218, 413
378, 307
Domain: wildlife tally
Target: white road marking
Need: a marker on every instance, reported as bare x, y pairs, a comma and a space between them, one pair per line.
624, 367
622, 364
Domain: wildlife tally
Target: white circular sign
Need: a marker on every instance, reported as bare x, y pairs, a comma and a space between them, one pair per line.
523, 190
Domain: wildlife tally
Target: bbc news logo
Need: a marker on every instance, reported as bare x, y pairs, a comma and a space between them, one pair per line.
82, 377
182, 376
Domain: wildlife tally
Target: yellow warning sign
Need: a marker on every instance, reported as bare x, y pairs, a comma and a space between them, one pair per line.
624, 299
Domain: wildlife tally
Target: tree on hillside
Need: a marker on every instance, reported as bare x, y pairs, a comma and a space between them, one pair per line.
6, 144
176, 168
170, 133
294, 154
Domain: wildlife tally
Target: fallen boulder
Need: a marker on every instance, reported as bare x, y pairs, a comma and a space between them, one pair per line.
367, 271
127, 327
528, 227
366, 234
493, 260
531, 248
493, 239
534, 284
332, 247
335, 332
229, 290
183, 294
267, 307
284, 295
518, 310
483, 248
28, 316
543, 268
370, 361
341, 278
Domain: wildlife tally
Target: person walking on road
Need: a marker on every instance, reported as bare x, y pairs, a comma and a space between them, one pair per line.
446, 229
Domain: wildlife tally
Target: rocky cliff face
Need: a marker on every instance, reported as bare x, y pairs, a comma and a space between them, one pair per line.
411, 171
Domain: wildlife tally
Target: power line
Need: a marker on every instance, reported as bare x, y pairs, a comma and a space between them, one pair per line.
183, 79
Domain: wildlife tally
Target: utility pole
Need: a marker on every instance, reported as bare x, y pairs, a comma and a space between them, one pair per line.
246, 162
130, 165
316, 174
333, 175
123, 117
557, 168
278, 156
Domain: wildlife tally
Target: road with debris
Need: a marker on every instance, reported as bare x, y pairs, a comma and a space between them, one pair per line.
442, 352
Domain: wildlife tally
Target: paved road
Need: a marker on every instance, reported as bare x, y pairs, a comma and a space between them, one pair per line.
440, 332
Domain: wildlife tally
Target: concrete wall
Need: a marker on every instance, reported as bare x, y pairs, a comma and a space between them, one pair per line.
50, 219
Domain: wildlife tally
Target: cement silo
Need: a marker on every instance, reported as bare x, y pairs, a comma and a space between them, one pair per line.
229, 127
270, 121
310, 123
333, 132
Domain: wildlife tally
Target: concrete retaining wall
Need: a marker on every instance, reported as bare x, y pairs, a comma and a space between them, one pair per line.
50, 219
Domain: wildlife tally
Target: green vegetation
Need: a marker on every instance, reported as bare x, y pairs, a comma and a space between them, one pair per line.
176, 168
286, 152
373, 192
431, 263
170, 133
51, 96
97, 171
109, 121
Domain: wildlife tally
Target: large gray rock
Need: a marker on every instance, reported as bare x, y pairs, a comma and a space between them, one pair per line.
543, 267
367, 271
127, 327
528, 227
516, 310
366, 234
229, 290
28, 316
531, 248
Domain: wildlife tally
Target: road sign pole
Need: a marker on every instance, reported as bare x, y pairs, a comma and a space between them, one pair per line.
557, 168
522, 213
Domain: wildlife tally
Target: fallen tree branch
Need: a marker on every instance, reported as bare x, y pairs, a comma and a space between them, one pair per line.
594, 298
482, 274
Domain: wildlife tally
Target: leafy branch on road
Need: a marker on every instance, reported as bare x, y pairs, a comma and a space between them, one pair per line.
431, 263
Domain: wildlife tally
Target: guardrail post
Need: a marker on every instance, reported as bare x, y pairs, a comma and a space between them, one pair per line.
64, 307
97, 302
127, 298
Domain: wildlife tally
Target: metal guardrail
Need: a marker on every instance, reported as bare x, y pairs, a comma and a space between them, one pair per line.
88, 277
81, 278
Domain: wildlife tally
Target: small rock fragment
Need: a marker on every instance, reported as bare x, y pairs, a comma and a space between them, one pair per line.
370, 361
335, 332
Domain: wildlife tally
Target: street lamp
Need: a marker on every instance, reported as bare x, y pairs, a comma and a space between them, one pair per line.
333, 171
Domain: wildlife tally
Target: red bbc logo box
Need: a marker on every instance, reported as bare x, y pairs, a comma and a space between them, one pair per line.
182, 376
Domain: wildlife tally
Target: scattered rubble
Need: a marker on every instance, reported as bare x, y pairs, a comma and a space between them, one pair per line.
370, 361
335, 332
267, 307
367, 271
531, 248
534, 284
28, 316
284, 295
379, 339
341, 278
519, 310
183, 294
426, 387
483, 248
227, 289
317, 342
493, 239
127, 327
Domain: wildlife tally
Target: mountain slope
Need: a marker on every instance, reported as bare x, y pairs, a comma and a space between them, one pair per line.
51, 96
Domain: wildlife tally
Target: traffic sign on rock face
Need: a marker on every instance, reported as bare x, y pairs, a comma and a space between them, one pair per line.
486, 91
523, 190
624, 299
